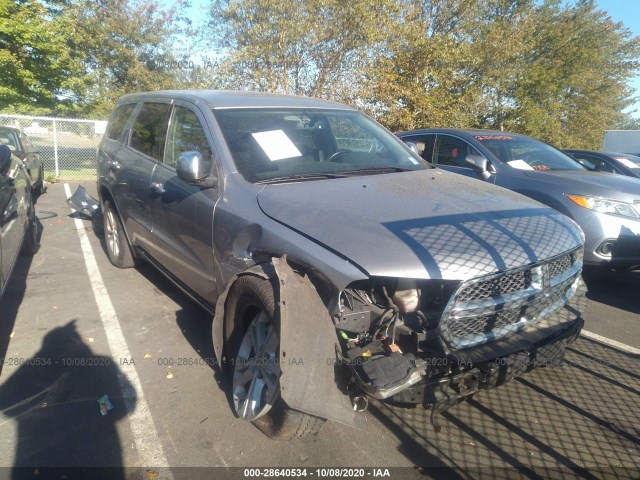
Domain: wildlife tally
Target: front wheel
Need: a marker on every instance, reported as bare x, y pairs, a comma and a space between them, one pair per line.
254, 340
118, 249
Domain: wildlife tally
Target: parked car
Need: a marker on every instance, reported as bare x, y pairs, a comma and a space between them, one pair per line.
607, 207
22, 147
618, 163
327, 248
18, 225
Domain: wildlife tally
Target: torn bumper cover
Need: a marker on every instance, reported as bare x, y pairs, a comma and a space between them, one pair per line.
84, 203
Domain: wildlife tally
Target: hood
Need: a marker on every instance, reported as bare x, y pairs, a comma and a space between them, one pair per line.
608, 185
425, 224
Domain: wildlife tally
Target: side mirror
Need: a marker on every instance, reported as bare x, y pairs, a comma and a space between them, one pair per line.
480, 165
5, 160
190, 168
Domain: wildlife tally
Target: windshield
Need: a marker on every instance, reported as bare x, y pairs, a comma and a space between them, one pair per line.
272, 144
527, 154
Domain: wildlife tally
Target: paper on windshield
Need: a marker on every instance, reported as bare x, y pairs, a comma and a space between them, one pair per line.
627, 163
520, 165
276, 145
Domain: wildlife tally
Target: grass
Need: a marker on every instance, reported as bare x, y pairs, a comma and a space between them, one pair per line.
75, 174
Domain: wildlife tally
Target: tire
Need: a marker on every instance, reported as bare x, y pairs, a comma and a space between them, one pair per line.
118, 248
31, 245
250, 314
40, 188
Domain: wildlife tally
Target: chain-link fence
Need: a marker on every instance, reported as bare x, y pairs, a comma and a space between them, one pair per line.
67, 146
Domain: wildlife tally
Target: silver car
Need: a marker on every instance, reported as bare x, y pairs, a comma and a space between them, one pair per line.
606, 206
332, 257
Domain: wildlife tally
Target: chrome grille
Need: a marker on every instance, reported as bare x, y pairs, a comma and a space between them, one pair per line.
508, 283
493, 306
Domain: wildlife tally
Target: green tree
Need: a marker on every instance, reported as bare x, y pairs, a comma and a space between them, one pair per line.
310, 47
76, 57
35, 61
125, 46
423, 76
549, 69
573, 84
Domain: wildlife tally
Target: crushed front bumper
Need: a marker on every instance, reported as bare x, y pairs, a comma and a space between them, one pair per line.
449, 390
443, 379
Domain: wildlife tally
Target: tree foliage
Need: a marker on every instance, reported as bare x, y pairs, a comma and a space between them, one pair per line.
310, 47
34, 59
552, 69
79, 56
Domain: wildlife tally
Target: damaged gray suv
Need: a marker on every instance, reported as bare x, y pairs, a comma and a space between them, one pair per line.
335, 261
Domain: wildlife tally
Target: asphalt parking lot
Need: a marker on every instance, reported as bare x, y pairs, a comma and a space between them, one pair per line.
131, 335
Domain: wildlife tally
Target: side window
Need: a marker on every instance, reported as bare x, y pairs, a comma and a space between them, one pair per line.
8, 138
424, 144
452, 151
119, 120
150, 129
186, 134
600, 164
26, 142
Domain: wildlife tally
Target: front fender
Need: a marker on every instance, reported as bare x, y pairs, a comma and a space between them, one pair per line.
310, 380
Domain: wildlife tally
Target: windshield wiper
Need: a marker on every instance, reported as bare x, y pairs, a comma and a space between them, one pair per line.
375, 170
301, 177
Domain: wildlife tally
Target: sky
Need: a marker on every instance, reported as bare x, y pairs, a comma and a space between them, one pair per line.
625, 11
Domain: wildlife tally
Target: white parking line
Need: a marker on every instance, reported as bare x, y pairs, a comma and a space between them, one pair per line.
610, 342
150, 451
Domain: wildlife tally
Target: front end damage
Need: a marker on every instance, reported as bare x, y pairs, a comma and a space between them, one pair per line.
428, 342
435, 342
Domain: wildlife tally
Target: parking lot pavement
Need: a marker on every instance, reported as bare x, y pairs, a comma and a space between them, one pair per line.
578, 420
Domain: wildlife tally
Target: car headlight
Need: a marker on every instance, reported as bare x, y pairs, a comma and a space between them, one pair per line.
606, 205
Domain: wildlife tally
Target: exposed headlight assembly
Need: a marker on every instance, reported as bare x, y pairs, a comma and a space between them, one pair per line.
606, 205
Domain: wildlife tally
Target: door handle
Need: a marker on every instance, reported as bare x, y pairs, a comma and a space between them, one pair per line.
157, 188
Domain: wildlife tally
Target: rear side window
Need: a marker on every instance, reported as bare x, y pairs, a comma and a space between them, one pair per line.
119, 120
150, 129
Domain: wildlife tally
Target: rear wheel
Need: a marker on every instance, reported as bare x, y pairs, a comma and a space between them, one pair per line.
255, 370
118, 248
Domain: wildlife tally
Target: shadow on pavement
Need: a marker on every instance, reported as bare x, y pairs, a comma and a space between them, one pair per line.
579, 420
616, 289
13, 296
53, 398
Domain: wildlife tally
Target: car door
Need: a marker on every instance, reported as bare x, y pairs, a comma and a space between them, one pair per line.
182, 214
31, 157
449, 153
134, 165
12, 214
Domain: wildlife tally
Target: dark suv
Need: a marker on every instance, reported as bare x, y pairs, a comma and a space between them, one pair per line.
327, 247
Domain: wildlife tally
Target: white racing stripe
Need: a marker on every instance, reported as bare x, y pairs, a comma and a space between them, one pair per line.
150, 451
612, 343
